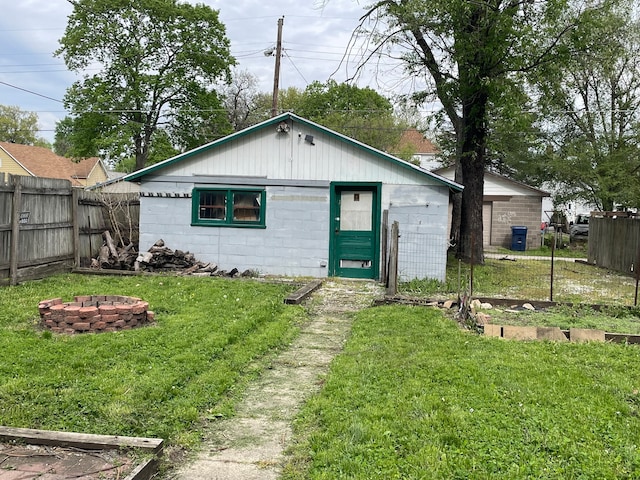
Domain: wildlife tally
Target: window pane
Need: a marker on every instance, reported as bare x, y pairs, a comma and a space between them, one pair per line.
213, 205
246, 206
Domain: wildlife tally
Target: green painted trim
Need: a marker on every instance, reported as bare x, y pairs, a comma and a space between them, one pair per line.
291, 116
228, 221
376, 187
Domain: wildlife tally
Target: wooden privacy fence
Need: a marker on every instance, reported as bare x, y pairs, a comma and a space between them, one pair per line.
47, 226
614, 241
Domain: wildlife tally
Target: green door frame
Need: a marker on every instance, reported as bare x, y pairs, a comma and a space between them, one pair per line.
334, 260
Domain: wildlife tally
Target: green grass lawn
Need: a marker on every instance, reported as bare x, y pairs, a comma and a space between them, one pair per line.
157, 381
415, 397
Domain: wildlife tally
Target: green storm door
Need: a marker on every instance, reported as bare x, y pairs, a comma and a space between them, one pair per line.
355, 237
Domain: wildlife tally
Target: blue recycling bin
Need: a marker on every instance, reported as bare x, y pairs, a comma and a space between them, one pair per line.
519, 238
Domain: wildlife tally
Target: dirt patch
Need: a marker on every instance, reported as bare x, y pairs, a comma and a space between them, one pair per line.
20, 461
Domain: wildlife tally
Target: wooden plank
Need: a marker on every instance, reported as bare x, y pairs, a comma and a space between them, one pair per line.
76, 227
80, 440
384, 246
303, 292
15, 233
392, 284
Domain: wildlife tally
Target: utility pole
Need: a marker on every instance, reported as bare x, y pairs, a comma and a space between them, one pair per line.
276, 75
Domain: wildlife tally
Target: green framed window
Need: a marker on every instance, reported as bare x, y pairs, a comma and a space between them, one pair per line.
225, 207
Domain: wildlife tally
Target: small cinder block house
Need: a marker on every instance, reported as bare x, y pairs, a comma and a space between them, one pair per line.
505, 204
291, 197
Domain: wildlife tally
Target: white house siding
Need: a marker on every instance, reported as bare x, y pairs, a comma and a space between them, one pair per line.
287, 156
421, 213
295, 241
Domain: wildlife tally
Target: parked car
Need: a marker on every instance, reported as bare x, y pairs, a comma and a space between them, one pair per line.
579, 228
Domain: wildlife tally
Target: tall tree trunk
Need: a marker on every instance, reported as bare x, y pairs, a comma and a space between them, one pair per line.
472, 161
456, 197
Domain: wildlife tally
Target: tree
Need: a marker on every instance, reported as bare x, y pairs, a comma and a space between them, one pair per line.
156, 58
19, 126
472, 52
591, 106
239, 99
360, 113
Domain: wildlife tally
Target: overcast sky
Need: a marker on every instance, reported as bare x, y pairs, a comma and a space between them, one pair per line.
315, 40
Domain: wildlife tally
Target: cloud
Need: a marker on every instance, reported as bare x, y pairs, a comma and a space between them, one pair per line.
315, 38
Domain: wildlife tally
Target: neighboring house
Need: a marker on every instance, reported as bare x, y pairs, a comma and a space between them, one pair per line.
291, 197
506, 204
115, 184
425, 152
27, 160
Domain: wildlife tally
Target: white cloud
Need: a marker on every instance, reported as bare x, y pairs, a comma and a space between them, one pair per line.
315, 39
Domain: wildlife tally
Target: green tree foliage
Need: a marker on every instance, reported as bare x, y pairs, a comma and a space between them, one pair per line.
157, 59
359, 113
473, 52
591, 114
19, 126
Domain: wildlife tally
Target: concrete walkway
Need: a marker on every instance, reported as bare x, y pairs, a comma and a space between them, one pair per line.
251, 445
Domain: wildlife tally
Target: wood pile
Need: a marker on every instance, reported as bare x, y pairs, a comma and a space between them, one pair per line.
159, 258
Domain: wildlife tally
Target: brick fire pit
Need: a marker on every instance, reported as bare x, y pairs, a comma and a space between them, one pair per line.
95, 313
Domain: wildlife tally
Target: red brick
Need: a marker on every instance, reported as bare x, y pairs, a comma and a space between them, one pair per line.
140, 307
100, 325
81, 326
72, 319
69, 330
110, 318
72, 310
133, 322
57, 330
123, 309
97, 318
108, 309
86, 312
119, 324
151, 316
83, 298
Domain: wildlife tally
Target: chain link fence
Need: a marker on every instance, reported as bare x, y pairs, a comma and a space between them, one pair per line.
545, 274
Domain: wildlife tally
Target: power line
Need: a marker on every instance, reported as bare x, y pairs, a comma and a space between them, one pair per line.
31, 92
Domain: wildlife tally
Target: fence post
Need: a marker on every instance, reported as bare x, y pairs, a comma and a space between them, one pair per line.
385, 246
553, 254
15, 230
392, 285
637, 275
76, 226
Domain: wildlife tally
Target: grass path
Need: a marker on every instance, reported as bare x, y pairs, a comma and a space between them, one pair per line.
251, 444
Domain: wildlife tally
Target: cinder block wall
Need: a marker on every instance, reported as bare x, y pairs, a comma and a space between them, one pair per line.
519, 211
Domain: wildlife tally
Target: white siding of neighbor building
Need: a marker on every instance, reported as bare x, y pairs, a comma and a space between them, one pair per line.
287, 156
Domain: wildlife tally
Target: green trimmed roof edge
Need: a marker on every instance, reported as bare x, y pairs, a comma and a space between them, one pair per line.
291, 116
